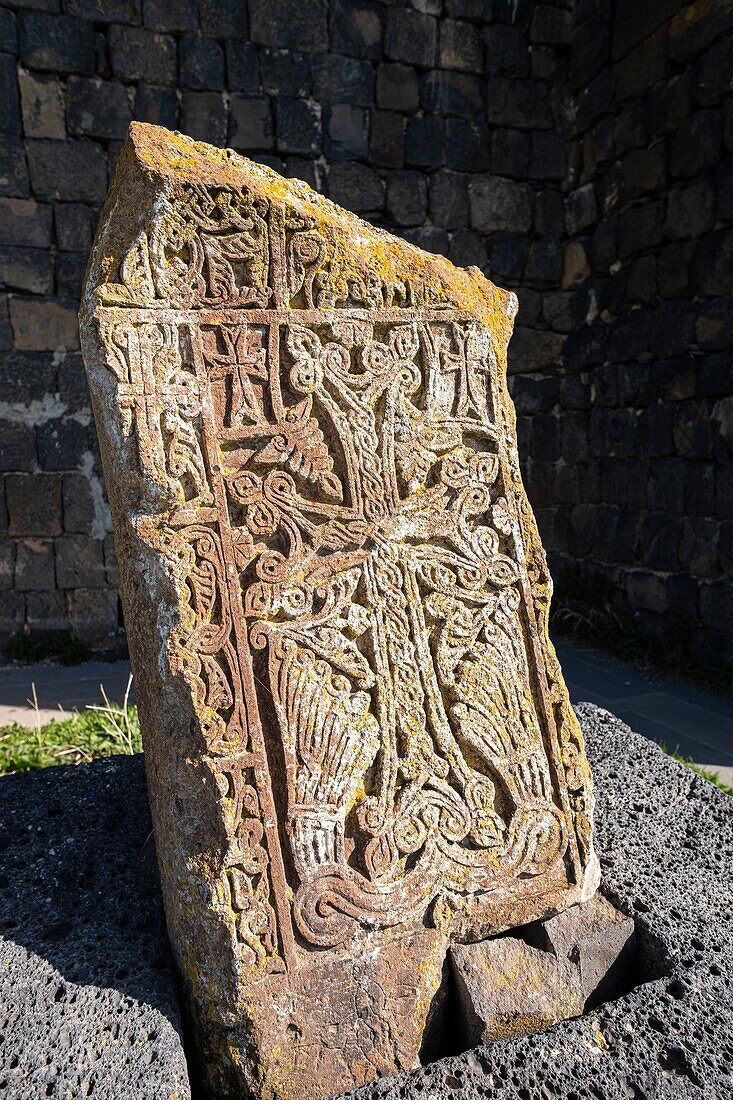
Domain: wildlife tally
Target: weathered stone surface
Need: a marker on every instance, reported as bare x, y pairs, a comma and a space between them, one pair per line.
597, 940
559, 968
507, 989
653, 814
356, 728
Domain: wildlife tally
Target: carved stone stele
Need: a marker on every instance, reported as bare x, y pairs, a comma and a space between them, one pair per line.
358, 741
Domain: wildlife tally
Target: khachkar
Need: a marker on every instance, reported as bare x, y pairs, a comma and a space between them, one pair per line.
358, 741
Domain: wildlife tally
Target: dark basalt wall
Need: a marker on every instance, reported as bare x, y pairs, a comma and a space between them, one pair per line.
577, 151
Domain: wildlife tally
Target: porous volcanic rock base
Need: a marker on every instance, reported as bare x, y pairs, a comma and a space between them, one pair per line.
86, 984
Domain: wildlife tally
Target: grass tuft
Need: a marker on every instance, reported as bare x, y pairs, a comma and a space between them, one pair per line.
103, 730
707, 773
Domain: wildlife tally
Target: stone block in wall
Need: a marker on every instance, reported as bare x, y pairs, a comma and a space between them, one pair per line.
6, 333
200, 63
510, 153
70, 268
345, 132
12, 613
507, 51
79, 511
8, 32
698, 552
451, 93
387, 138
42, 103
696, 144
697, 25
645, 169
289, 23
406, 198
712, 264
461, 46
79, 562
411, 37
93, 616
25, 222
171, 16
700, 488
507, 254
72, 384
425, 142
285, 72
548, 213
479, 10
643, 68
714, 324
591, 46
224, 18
243, 66
429, 237
544, 262
56, 43
106, 11
550, 25
298, 126
547, 156
27, 269
73, 227
64, 443
7, 563
717, 604
397, 88
533, 349
673, 265
46, 612
34, 564
17, 447
356, 28
97, 108
338, 79
43, 324
156, 105
449, 206
467, 249
557, 311
523, 104
71, 171
10, 118
13, 168
251, 123
500, 205
204, 116
633, 22
137, 53
355, 186
34, 504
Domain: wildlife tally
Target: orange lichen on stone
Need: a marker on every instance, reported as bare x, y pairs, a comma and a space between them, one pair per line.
358, 740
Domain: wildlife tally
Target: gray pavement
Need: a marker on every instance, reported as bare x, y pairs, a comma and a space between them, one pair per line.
682, 716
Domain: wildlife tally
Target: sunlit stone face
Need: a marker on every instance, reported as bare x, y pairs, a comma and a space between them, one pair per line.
359, 742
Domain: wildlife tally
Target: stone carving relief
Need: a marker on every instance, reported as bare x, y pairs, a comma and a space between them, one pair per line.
353, 472
312, 463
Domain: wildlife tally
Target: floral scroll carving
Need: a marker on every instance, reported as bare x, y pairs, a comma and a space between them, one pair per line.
354, 501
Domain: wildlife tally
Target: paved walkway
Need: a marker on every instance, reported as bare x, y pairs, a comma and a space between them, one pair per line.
678, 714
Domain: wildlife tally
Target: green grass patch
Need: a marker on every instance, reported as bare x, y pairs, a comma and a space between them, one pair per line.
98, 731
707, 773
